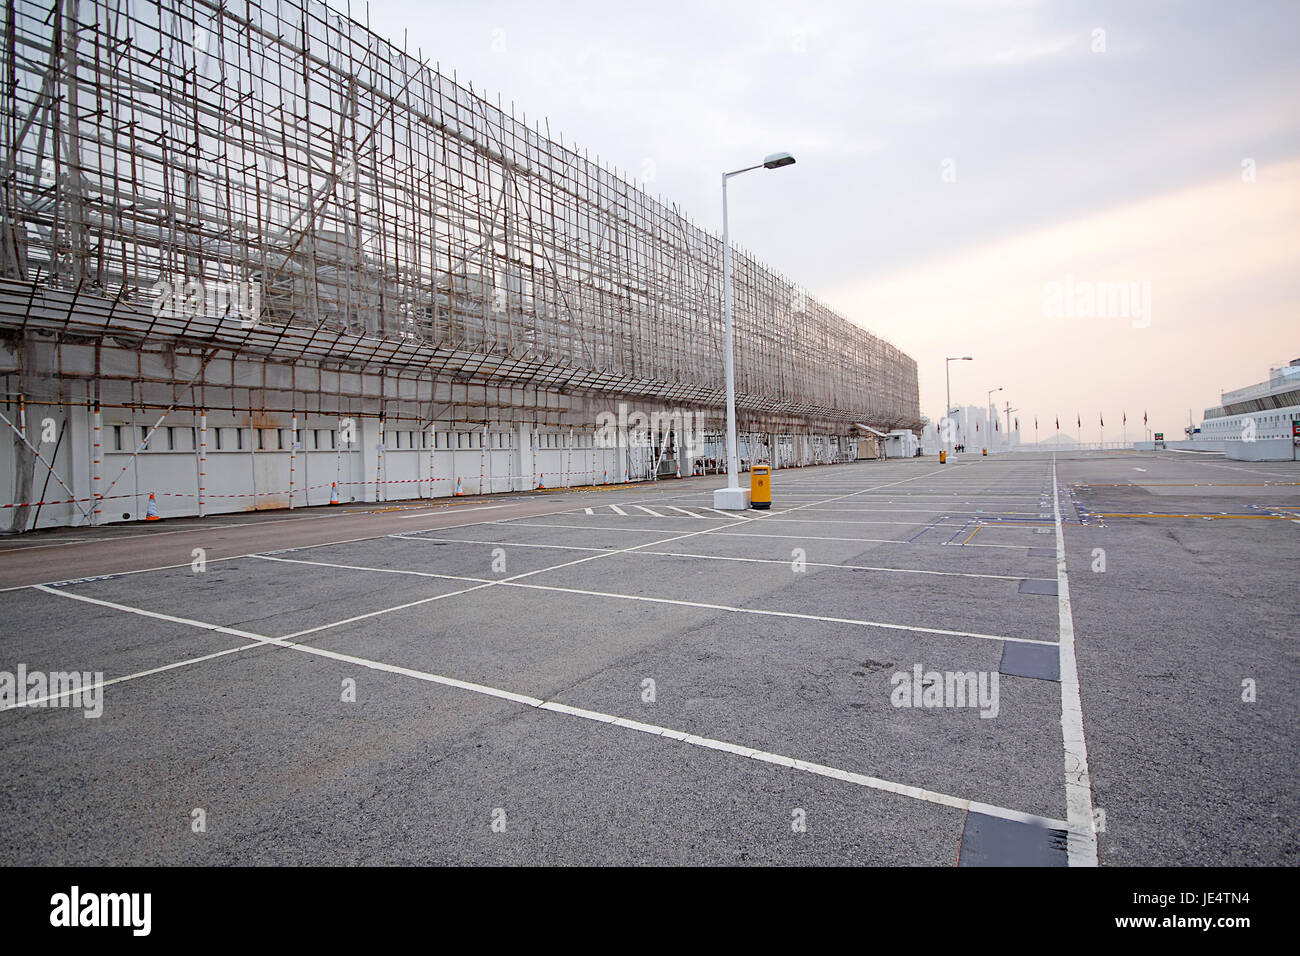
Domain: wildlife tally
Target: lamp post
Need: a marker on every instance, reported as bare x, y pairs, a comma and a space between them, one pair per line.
947, 409
989, 437
1008, 421
733, 497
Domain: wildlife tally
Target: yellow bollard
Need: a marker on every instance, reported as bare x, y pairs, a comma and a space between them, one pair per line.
986, 452
943, 457
760, 487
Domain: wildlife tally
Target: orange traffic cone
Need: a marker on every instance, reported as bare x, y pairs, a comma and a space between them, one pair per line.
625, 476
541, 480
152, 513
334, 493
679, 467
605, 480
458, 488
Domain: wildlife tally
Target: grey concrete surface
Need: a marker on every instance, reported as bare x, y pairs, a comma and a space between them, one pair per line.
440, 614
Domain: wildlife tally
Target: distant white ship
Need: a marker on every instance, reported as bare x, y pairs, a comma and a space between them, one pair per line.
1256, 412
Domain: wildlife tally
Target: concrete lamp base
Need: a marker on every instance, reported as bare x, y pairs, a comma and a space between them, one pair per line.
731, 499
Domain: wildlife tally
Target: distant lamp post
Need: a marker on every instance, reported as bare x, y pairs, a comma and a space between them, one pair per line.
989, 437
947, 409
733, 497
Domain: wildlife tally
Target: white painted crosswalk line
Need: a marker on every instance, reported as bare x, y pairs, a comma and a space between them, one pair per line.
648, 511
732, 515
618, 511
685, 512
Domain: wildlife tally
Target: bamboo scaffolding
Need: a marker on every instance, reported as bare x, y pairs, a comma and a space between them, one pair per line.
171, 156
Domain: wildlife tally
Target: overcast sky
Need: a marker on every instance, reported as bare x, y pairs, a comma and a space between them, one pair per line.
955, 159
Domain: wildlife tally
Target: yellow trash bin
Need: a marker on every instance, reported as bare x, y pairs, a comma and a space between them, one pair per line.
986, 452
943, 457
760, 487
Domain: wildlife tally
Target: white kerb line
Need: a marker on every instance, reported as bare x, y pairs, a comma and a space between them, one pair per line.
1081, 842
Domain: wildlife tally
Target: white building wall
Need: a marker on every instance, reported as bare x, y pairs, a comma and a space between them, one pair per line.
532, 436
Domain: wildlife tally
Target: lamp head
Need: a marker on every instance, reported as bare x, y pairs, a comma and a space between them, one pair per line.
777, 160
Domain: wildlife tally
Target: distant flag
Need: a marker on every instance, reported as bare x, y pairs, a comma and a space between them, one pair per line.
1017, 423
1125, 421
997, 424
977, 428
1101, 418
1078, 419
1144, 418
1058, 423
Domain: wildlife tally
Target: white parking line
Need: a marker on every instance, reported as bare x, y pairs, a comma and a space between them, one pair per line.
448, 509
667, 733
678, 602
784, 562
648, 511
301, 547
36, 701
786, 614
691, 514
725, 514
355, 567
735, 534
1081, 844
617, 510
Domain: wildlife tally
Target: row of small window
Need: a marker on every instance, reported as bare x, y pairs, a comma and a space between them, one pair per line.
126, 438
551, 440
1237, 424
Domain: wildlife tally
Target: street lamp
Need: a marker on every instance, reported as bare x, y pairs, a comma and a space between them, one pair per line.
989, 438
947, 409
733, 497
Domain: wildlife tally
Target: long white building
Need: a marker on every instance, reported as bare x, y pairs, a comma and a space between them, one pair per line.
251, 255
1264, 411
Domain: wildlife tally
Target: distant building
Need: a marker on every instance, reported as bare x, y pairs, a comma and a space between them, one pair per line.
1257, 412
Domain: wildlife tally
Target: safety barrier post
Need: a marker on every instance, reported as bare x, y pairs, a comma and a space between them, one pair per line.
433, 440
379, 462
293, 454
97, 451
203, 459
568, 461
